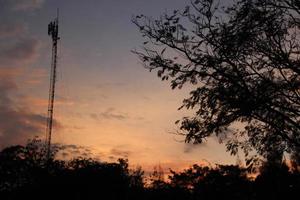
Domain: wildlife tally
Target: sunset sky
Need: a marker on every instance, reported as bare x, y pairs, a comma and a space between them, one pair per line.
105, 101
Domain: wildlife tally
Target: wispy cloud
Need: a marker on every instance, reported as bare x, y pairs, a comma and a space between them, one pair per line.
42, 102
114, 153
70, 151
190, 147
11, 29
94, 116
110, 84
35, 76
20, 53
17, 122
17, 47
110, 113
23, 5
119, 152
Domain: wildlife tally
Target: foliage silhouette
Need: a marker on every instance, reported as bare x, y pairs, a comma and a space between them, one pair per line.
24, 175
222, 181
242, 61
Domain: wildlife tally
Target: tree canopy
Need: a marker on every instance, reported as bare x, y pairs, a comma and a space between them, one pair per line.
242, 60
24, 175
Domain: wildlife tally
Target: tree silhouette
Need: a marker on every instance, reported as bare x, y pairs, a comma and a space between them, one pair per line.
157, 178
214, 183
23, 175
242, 62
276, 181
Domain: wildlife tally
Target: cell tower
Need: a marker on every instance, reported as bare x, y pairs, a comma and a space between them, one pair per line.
53, 32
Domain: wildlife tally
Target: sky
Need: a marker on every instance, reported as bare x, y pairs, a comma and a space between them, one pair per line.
106, 101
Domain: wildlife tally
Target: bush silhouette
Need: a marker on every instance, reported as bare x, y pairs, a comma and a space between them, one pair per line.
24, 174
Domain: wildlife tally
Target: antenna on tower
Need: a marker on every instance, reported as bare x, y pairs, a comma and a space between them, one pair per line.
53, 33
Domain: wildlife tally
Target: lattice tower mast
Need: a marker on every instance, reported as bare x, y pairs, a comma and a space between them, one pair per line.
53, 33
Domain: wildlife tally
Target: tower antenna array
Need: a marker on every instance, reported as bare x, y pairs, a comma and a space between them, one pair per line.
53, 33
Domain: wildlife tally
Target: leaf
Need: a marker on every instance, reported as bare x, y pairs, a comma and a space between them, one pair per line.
165, 78
159, 73
248, 161
181, 27
163, 51
187, 9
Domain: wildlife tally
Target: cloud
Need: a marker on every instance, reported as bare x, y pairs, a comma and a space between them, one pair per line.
25, 5
119, 153
115, 153
18, 51
21, 53
110, 85
11, 28
94, 116
35, 76
70, 151
43, 103
190, 147
17, 122
110, 113
17, 47
77, 127
140, 118
9, 73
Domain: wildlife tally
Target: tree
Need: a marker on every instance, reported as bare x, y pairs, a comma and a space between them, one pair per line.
157, 178
137, 178
243, 63
205, 182
24, 174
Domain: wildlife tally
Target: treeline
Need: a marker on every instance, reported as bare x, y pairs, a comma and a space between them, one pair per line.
24, 174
